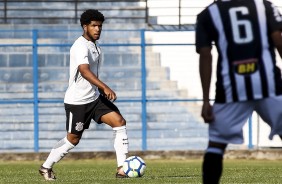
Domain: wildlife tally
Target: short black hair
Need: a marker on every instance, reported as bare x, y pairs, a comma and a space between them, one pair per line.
91, 15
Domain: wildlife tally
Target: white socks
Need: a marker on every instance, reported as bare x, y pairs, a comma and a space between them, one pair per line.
58, 152
120, 144
62, 147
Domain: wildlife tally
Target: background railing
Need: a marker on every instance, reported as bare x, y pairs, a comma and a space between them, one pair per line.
157, 14
35, 45
68, 11
143, 45
59, 17
154, 13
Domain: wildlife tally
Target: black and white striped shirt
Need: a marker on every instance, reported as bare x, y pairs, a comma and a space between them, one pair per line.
240, 29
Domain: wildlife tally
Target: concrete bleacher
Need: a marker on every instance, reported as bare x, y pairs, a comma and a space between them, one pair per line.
170, 125
166, 122
63, 12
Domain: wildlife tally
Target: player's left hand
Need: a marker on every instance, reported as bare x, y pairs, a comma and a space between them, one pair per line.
109, 94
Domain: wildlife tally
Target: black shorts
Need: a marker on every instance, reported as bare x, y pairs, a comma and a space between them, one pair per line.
80, 116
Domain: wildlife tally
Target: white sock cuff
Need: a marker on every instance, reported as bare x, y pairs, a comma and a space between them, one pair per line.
215, 150
119, 128
68, 142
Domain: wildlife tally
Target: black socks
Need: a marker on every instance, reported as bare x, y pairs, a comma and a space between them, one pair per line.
212, 168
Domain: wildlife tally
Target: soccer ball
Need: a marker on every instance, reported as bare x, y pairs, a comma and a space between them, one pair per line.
134, 167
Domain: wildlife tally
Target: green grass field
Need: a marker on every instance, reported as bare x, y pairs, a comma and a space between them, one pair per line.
157, 172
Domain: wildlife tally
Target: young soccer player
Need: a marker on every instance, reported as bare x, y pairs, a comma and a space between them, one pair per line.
87, 97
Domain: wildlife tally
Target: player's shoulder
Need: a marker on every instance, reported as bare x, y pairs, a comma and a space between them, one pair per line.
80, 42
204, 15
205, 11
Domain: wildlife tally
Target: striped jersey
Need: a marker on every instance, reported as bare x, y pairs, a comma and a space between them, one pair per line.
240, 30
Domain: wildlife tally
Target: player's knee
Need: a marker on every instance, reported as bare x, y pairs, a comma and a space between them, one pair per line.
121, 122
74, 139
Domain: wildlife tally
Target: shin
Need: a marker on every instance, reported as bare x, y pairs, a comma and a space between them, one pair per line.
120, 144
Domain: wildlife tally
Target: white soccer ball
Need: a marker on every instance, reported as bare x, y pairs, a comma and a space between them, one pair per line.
134, 167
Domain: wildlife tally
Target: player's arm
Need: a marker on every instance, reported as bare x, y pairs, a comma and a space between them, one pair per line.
205, 74
86, 73
205, 71
277, 40
204, 31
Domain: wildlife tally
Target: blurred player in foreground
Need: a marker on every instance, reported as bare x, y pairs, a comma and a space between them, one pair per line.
245, 33
87, 97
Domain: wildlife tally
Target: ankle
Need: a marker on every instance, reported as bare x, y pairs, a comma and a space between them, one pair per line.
120, 170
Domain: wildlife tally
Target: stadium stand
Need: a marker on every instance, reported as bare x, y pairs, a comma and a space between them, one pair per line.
170, 125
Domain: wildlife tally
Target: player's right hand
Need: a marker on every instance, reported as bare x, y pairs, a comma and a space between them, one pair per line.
207, 112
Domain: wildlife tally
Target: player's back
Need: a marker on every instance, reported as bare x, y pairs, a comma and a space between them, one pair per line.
244, 25
241, 31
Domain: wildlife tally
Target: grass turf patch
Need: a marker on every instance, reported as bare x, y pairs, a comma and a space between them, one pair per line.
157, 172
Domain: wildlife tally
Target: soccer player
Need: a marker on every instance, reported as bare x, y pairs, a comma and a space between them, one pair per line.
87, 97
245, 34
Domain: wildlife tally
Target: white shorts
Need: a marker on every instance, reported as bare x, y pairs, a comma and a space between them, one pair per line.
231, 117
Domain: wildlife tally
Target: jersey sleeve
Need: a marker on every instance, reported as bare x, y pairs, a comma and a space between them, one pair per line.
80, 53
203, 37
274, 17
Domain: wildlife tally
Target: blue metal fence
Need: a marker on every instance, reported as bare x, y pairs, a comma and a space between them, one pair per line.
144, 99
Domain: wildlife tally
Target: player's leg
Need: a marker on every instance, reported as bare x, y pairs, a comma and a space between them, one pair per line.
213, 163
106, 112
118, 123
226, 128
75, 126
61, 149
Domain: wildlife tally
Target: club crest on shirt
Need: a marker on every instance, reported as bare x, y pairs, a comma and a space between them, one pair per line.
246, 67
79, 126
